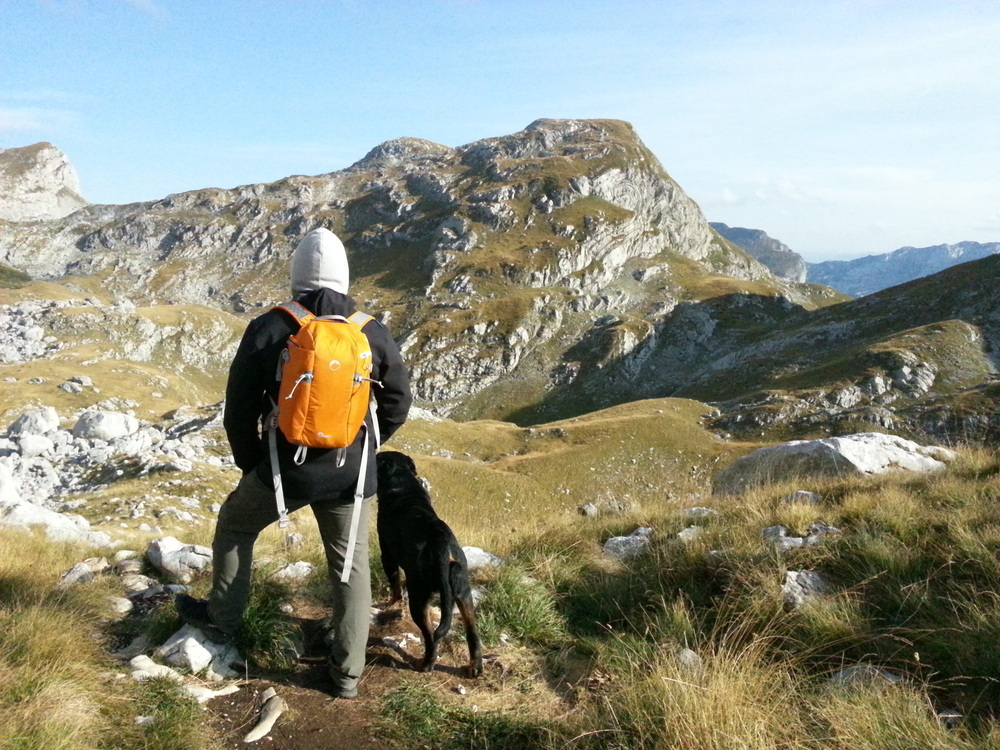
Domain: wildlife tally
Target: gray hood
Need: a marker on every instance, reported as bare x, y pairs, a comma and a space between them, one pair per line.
320, 262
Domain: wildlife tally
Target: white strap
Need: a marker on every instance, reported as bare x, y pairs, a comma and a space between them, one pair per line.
373, 408
279, 494
352, 538
359, 494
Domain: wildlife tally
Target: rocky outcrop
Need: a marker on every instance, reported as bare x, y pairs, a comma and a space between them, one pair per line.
862, 276
487, 260
778, 257
861, 454
37, 183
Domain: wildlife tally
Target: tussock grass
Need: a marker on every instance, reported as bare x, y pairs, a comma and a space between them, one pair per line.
58, 687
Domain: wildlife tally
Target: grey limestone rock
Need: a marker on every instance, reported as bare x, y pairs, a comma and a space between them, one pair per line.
40, 421
104, 425
478, 558
802, 587
862, 453
178, 560
37, 182
627, 547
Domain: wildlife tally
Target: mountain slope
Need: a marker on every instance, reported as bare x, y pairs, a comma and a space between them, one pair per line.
778, 257
490, 261
36, 183
922, 356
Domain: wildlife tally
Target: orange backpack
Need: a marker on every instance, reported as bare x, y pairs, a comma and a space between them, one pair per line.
325, 374
325, 393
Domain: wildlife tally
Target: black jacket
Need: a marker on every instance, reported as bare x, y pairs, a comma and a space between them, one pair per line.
253, 383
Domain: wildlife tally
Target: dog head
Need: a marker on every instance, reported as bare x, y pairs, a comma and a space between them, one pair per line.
394, 468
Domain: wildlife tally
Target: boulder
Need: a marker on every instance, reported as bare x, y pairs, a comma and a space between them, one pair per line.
35, 445
178, 560
863, 453
40, 421
625, 547
57, 527
104, 425
478, 558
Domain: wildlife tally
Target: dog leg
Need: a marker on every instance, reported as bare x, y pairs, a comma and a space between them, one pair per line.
392, 572
468, 613
421, 614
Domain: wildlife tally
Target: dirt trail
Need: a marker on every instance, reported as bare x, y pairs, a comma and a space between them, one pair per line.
314, 719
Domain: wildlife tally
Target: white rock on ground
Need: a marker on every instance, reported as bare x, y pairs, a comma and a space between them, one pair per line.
295, 571
626, 547
802, 587
57, 526
40, 421
178, 560
144, 668
863, 453
479, 558
104, 425
192, 650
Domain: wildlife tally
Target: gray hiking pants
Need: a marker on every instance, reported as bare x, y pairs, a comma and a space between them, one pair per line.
248, 510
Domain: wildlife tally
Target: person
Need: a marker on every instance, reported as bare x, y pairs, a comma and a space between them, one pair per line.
325, 481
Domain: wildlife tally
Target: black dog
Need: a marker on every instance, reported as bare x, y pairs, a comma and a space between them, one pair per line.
412, 537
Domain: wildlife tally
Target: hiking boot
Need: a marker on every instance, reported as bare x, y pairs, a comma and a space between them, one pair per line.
343, 686
195, 613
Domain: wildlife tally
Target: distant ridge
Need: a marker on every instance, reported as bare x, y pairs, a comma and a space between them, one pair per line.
778, 257
863, 276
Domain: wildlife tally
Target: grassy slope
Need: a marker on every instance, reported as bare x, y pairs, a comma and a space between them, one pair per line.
100, 344
841, 343
592, 641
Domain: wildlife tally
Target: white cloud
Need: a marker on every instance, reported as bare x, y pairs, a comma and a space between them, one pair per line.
729, 197
35, 120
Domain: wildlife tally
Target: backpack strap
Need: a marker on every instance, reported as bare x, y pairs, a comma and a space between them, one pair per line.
360, 319
297, 311
359, 494
279, 494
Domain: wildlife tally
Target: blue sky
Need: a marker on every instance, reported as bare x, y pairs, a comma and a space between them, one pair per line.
840, 128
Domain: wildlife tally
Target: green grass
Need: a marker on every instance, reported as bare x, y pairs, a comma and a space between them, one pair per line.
57, 684
415, 716
11, 278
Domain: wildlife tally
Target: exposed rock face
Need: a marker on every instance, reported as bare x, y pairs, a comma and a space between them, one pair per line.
488, 259
863, 276
37, 183
865, 453
778, 257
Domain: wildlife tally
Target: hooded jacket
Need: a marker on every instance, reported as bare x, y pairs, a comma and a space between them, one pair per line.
252, 390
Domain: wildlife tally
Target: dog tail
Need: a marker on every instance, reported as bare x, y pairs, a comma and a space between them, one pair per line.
448, 567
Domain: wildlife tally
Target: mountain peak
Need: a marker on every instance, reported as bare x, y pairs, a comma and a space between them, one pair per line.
37, 182
401, 151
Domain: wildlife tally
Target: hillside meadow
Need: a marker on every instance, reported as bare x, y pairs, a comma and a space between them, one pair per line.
689, 644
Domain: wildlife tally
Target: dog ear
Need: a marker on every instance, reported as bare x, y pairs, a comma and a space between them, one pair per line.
410, 465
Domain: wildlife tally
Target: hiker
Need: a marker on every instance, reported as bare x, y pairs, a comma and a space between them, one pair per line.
327, 480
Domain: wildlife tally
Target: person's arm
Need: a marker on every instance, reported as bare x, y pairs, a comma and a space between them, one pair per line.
243, 403
394, 396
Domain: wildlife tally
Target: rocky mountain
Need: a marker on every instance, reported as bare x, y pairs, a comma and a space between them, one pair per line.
778, 257
919, 358
508, 267
872, 273
530, 277
37, 183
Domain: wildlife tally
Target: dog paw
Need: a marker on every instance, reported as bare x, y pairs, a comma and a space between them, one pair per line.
474, 670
